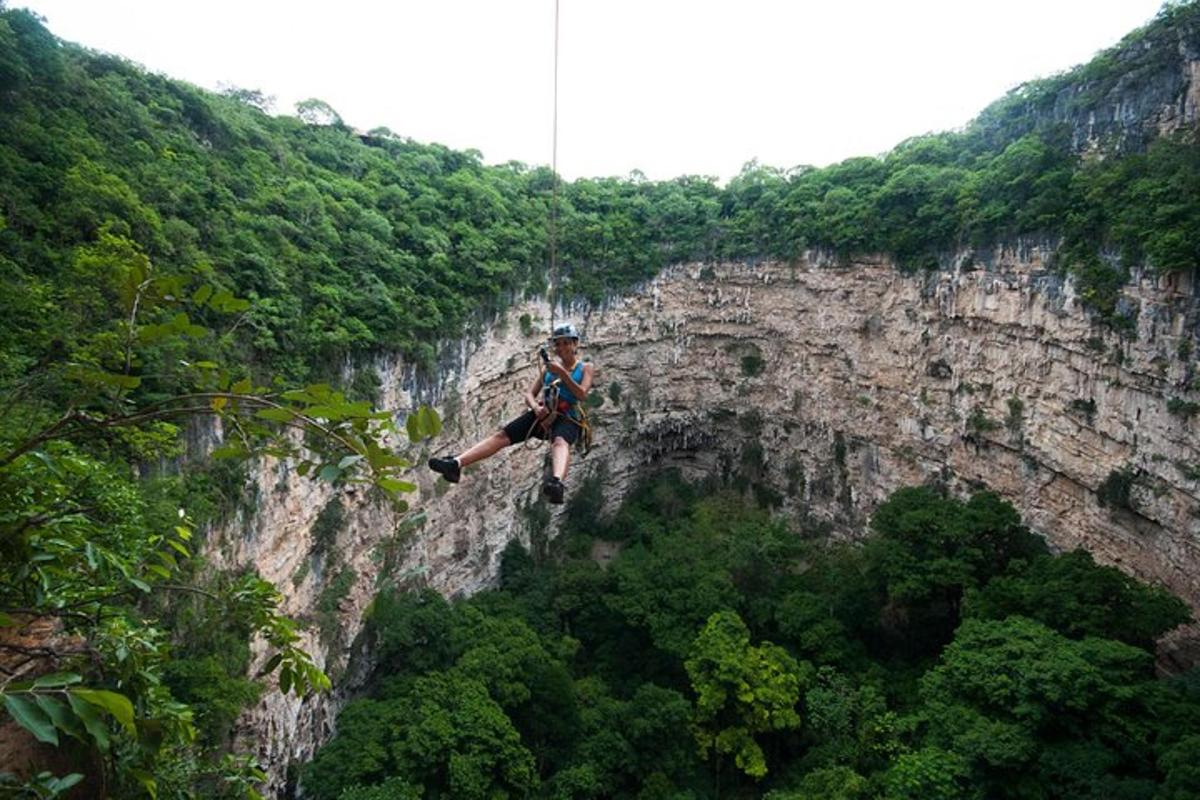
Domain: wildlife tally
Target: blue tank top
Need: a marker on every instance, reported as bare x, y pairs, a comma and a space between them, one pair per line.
563, 392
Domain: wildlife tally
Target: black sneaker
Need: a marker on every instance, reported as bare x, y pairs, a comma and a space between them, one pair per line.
554, 490
448, 467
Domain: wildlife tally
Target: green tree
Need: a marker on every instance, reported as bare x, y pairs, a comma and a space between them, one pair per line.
1179, 764
458, 742
390, 789
827, 783
928, 774
412, 632
624, 744
742, 691
441, 733
361, 754
93, 550
930, 549
1078, 598
670, 589
1006, 694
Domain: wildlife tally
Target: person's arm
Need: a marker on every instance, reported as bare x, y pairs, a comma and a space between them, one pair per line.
533, 396
579, 390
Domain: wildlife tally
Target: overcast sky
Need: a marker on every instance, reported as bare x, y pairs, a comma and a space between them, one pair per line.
670, 87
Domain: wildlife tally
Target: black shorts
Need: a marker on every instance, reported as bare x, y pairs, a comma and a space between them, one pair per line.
523, 427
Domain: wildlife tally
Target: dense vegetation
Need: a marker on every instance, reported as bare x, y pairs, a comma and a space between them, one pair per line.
349, 245
108, 647
108, 351
722, 655
167, 253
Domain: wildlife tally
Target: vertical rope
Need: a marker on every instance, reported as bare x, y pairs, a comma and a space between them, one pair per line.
550, 293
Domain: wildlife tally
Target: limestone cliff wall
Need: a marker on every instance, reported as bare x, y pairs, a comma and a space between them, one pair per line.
826, 385
1144, 88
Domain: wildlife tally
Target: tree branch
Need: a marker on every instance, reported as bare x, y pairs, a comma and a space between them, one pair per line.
164, 408
174, 587
62, 612
46, 435
37, 520
43, 651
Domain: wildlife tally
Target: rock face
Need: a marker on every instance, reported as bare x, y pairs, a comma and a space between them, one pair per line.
1145, 88
823, 387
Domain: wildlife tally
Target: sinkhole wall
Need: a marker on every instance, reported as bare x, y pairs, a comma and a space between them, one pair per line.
821, 385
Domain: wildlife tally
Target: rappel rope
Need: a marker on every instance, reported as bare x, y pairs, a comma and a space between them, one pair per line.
550, 291
552, 391
553, 227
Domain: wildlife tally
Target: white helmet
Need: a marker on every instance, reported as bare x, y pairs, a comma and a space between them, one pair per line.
565, 331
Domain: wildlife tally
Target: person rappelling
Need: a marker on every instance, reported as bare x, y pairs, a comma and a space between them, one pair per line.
555, 413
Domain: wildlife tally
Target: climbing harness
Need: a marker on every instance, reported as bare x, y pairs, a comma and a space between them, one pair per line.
560, 407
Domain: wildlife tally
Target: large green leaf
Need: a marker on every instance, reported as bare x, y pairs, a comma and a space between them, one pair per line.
361, 410
229, 451
116, 704
91, 720
159, 570
270, 666
56, 680
333, 413
147, 781
99, 377
60, 785
349, 461
62, 717
30, 717
379, 458
320, 392
224, 301
276, 414
431, 423
298, 396
394, 485
202, 294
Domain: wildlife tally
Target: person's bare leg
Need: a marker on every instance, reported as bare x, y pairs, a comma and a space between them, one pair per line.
485, 448
560, 455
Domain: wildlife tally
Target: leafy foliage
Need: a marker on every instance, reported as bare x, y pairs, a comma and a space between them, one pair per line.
810, 677
136, 213
92, 550
741, 690
1077, 598
349, 245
